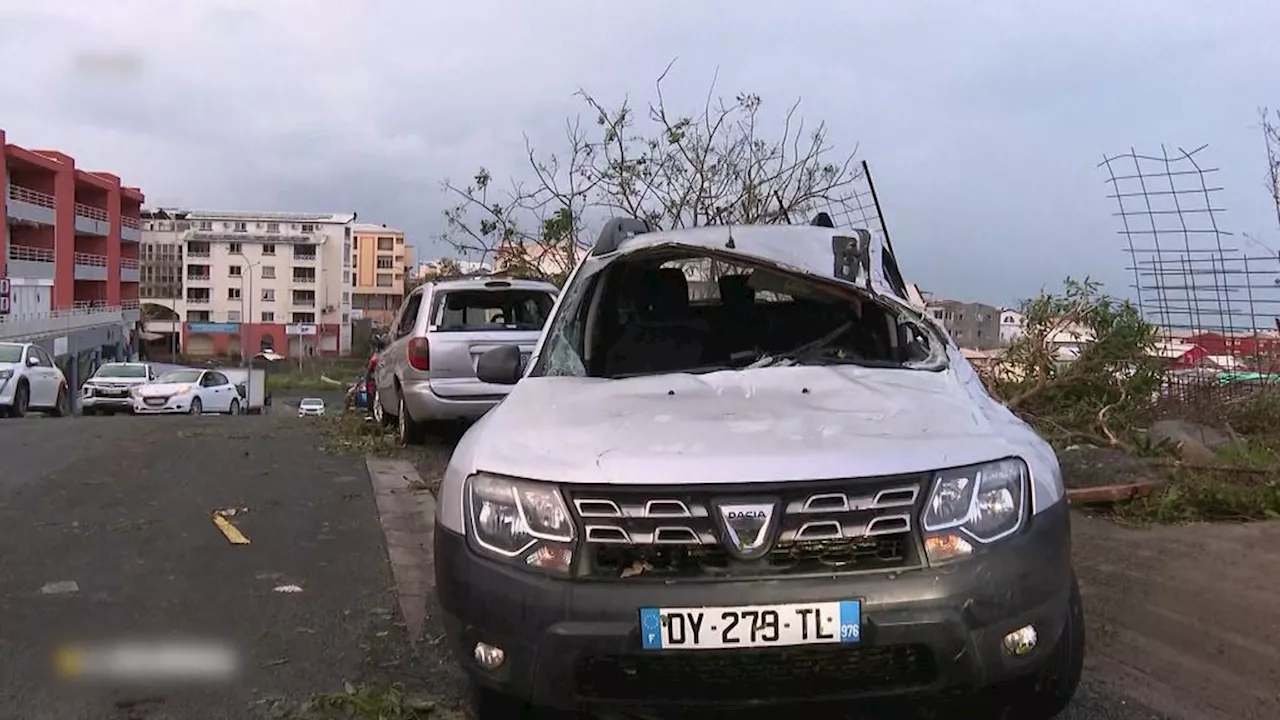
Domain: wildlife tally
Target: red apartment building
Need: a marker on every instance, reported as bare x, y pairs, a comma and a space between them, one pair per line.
69, 253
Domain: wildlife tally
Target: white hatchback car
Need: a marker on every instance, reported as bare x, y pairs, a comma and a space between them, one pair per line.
30, 380
187, 391
311, 407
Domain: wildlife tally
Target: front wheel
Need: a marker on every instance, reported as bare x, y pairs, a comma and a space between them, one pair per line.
197, 407
235, 407
21, 399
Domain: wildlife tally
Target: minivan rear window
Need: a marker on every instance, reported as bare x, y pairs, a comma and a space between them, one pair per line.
508, 309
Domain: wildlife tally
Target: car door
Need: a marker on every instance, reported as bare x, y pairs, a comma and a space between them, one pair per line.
42, 377
218, 392
392, 358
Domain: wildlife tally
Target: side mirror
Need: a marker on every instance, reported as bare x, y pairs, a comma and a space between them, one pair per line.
33, 361
501, 366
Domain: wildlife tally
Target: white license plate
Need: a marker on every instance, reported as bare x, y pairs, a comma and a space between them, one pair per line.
751, 626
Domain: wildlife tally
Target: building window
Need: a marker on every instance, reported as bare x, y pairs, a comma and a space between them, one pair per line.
233, 316
386, 263
233, 270
241, 227
270, 248
206, 225
399, 241
268, 316
198, 316
272, 228
235, 248
308, 228
386, 244
346, 277
384, 280
346, 297
304, 318
268, 272
233, 293
269, 295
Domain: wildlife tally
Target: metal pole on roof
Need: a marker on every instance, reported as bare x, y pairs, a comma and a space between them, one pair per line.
875, 199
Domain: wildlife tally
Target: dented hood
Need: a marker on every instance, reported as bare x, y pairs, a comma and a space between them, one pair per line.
767, 424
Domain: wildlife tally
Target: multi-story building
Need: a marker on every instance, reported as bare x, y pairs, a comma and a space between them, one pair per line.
378, 263
971, 325
255, 280
68, 257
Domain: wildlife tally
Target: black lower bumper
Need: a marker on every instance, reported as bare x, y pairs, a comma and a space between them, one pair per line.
924, 631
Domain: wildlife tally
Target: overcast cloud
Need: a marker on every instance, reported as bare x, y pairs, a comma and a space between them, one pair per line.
983, 121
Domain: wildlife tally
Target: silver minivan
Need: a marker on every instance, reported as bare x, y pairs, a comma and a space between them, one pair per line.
427, 371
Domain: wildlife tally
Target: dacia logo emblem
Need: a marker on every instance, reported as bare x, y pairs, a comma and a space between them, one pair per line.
748, 527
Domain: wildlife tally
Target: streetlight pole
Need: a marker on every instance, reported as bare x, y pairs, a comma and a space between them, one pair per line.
246, 307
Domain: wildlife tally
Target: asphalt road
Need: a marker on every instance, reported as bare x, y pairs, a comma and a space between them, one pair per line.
122, 507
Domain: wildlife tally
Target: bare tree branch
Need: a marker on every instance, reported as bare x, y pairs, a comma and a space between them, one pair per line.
715, 167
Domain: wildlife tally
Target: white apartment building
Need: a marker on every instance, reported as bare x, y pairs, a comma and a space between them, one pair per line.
254, 280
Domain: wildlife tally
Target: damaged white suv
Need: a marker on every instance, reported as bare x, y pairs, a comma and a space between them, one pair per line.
739, 468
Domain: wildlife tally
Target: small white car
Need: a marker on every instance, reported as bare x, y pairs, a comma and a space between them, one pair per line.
30, 380
187, 391
108, 391
311, 407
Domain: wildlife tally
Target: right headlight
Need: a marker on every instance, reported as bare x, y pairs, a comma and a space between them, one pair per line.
520, 521
979, 503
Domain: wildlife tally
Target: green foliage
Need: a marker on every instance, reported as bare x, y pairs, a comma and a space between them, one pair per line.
1099, 394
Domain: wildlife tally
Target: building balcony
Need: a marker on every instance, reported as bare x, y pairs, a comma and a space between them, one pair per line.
199, 278
129, 270
27, 205
301, 302
92, 221
30, 262
197, 253
305, 279
130, 229
304, 257
199, 300
86, 315
91, 267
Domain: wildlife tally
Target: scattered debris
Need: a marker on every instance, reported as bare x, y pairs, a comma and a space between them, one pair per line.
63, 587
636, 568
1108, 494
391, 703
232, 533
287, 589
232, 511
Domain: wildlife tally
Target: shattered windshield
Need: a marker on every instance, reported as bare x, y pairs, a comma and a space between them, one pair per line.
654, 314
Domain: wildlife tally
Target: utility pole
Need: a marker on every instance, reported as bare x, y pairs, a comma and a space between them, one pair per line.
246, 308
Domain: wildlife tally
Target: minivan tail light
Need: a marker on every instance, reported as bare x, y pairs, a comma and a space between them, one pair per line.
419, 354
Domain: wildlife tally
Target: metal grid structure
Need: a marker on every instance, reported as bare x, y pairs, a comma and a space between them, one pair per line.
1187, 276
861, 208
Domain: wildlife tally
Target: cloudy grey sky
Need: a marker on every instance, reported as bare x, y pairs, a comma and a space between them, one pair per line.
983, 121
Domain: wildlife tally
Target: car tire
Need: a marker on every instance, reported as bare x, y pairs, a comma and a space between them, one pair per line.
197, 407
1046, 694
88, 411
408, 431
380, 414
61, 405
21, 400
235, 408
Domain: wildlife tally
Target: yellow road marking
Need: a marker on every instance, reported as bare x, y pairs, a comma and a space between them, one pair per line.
69, 662
234, 536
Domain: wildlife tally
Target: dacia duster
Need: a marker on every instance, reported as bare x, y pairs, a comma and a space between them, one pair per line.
740, 468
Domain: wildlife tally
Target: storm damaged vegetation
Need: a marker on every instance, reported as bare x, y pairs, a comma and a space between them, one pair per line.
716, 165
1087, 374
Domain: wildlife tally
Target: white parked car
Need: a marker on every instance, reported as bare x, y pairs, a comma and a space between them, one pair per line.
311, 407
29, 380
187, 391
108, 391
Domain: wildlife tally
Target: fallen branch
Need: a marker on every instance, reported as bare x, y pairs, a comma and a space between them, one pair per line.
1108, 494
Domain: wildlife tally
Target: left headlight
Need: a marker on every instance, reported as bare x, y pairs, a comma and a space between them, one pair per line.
6, 374
522, 521
983, 503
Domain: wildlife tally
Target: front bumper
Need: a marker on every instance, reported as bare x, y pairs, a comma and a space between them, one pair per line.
425, 405
174, 404
925, 632
106, 402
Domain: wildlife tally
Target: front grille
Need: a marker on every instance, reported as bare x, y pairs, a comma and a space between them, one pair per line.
824, 527
745, 675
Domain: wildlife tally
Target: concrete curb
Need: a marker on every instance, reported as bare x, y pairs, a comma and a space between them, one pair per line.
407, 516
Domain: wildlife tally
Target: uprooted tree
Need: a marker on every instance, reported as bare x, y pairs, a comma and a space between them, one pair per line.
1084, 369
715, 166
1271, 136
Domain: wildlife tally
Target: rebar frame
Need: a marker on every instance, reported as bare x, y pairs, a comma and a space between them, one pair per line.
1186, 281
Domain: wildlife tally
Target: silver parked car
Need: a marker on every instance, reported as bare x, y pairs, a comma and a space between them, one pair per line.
109, 391
427, 371
740, 468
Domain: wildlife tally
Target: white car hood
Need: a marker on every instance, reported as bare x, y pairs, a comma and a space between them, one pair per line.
768, 424
118, 381
163, 389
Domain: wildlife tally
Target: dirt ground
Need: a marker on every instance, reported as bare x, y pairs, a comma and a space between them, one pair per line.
1184, 619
